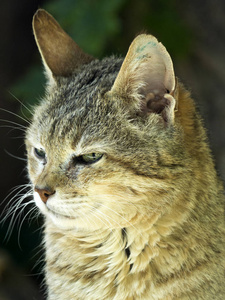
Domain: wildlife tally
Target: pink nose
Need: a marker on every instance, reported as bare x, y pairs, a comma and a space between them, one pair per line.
44, 193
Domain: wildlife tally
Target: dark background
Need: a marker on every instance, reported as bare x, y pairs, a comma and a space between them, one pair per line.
194, 34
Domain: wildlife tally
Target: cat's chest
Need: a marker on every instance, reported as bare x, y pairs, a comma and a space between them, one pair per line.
108, 265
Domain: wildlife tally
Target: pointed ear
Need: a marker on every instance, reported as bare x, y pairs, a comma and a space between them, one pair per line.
146, 78
60, 54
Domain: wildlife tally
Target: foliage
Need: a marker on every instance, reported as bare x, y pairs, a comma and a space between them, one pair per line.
91, 22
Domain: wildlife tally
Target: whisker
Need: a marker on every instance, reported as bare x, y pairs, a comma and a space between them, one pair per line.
12, 128
21, 187
19, 206
94, 210
21, 102
87, 217
105, 218
24, 217
121, 216
84, 215
39, 253
34, 214
20, 126
104, 215
14, 189
14, 114
14, 156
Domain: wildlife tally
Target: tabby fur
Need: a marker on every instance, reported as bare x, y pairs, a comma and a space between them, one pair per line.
145, 221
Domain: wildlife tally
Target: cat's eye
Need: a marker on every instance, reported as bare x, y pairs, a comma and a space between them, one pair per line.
89, 158
40, 153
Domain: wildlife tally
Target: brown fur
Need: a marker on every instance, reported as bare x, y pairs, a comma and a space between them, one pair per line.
146, 220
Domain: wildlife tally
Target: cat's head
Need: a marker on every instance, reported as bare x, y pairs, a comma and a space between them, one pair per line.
103, 145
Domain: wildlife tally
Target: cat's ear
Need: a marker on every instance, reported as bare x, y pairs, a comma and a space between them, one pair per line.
60, 54
146, 79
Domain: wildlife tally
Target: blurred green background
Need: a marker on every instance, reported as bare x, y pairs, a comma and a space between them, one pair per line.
103, 28
192, 31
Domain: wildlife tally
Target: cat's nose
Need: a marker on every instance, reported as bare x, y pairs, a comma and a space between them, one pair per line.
44, 193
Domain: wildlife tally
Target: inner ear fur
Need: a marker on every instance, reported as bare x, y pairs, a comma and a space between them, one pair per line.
146, 78
60, 54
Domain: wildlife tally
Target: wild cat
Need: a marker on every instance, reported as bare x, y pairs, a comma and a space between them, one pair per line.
122, 171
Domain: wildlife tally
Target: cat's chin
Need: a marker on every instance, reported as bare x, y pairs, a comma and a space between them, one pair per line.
70, 224
59, 220
63, 222
82, 219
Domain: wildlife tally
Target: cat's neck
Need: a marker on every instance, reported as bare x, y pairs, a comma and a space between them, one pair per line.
120, 251
154, 248
105, 257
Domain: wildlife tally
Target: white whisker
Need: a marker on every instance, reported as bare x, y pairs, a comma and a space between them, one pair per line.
14, 189
94, 210
17, 125
18, 116
117, 213
14, 156
14, 211
24, 217
21, 191
21, 102
104, 215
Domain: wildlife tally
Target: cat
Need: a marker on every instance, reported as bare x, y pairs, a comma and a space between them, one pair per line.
122, 171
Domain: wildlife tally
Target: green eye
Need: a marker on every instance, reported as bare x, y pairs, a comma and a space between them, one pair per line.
40, 153
89, 158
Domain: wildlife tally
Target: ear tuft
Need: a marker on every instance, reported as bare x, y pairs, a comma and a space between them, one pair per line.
146, 79
60, 54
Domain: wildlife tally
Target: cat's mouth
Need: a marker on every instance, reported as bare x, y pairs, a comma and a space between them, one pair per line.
60, 215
